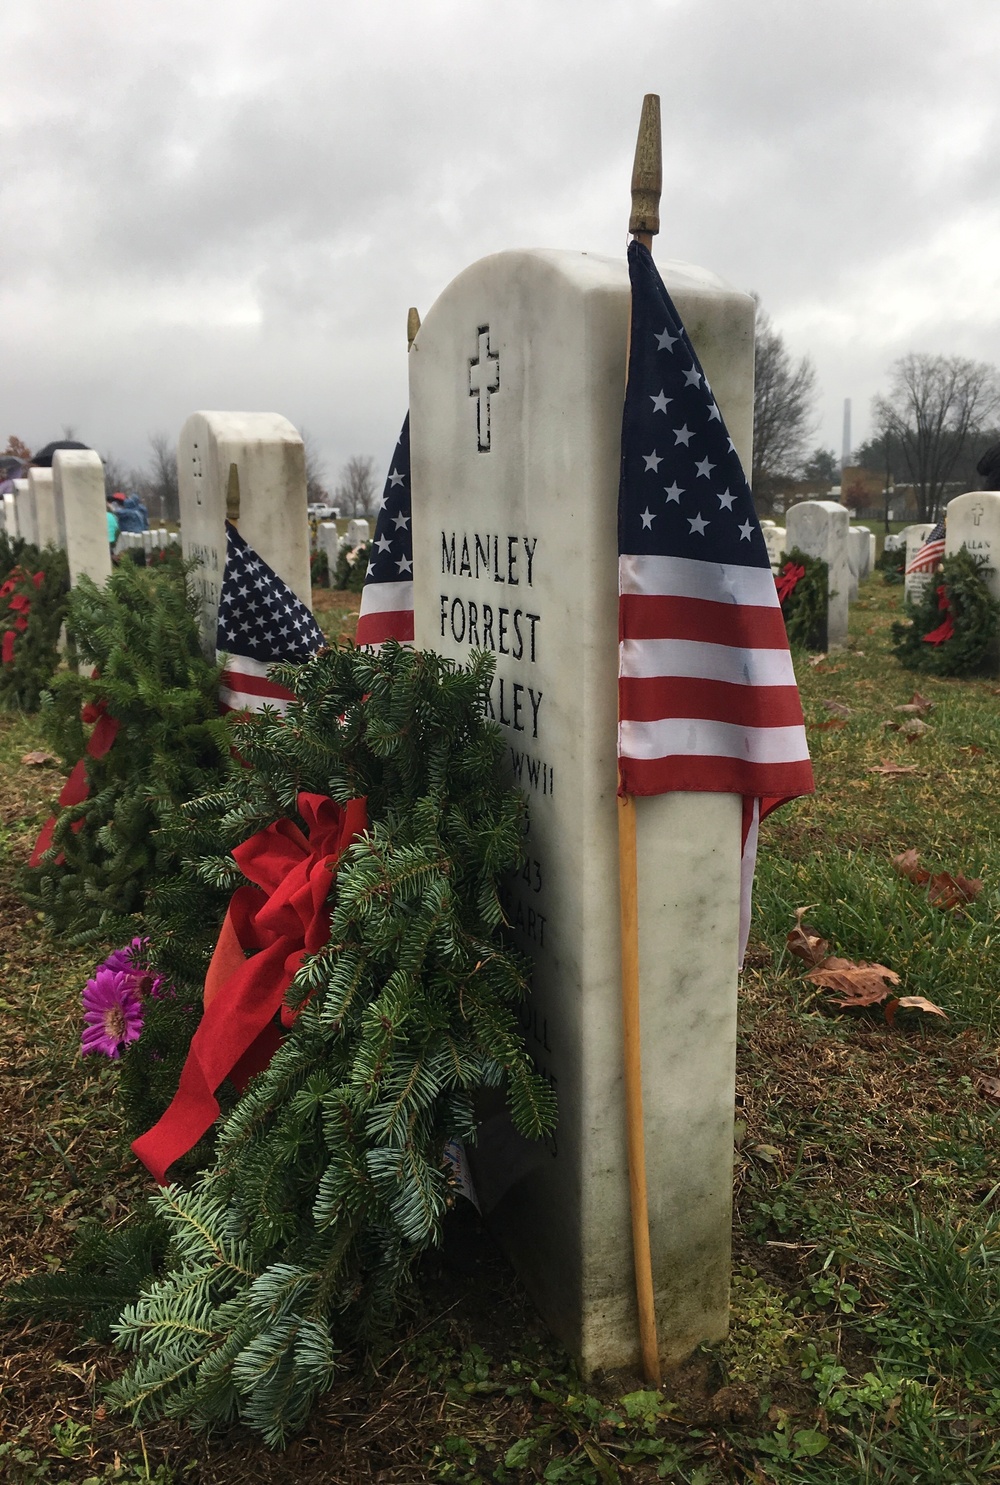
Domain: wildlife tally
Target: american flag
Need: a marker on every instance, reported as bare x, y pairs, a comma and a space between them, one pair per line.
261, 622
387, 596
707, 694
927, 557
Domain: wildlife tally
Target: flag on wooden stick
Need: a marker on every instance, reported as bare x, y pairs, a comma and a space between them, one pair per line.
387, 596
707, 695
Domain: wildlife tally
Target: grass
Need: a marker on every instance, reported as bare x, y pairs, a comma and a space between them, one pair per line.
867, 1226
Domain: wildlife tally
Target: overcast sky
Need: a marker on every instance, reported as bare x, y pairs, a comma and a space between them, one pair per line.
232, 203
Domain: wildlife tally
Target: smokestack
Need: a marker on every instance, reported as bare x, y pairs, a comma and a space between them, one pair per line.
845, 453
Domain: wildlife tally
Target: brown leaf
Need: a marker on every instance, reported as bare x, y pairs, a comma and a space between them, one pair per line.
860, 985
907, 863
829, 726
911, 1003
947, 891
38, 758
838, 708
988, 1087
804, 940
917, 706
913, 728
889, 770
815, 660
975, 750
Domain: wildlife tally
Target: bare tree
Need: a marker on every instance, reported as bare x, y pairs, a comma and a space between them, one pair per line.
118, 476
936, 407
316, 491
357, 491
784, 396
159, 485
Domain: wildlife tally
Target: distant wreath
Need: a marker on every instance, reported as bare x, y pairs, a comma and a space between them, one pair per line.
802, 592
956, 623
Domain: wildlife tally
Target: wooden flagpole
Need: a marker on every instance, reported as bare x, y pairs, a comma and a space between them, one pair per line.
643, 223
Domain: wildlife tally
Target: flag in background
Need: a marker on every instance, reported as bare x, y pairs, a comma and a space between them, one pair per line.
261, 623
387, 596
927, 556
707, 695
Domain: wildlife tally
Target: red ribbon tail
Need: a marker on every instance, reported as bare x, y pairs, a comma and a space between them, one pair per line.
43, 842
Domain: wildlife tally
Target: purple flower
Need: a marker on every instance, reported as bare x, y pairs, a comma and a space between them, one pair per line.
112, 1012
129, 958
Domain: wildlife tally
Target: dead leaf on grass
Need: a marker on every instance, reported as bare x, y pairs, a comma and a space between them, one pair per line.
911, 1003
917, 706
988, 1087
907, 863
38, 758
829, 726
839, 708
858, 985
947, 891
815, 660
913, 728
804, 940
890, 770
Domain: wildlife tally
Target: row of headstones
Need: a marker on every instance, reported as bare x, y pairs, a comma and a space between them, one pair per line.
332, 542
821, 528
156, 540
64, 506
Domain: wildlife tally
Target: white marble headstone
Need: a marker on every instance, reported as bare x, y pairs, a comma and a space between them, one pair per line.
24, 504
819, 528
358, 532
328, 541
860, 551
516, 388
775, 539
269, 456
40, 484
81, 513
10, 514
973, 521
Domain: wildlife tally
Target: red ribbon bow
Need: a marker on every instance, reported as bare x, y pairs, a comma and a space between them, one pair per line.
284, 917
76, 788
788, 579
947, 629
20, 604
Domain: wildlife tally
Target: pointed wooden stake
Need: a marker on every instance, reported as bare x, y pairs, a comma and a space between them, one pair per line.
644, 221
233, 496
412, 326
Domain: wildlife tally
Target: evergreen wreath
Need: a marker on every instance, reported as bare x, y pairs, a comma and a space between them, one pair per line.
959, 592
805, 608
329, 1177
33, 598
152, 681
352, 566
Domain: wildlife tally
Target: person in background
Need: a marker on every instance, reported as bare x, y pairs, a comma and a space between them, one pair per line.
113, 527
132, 514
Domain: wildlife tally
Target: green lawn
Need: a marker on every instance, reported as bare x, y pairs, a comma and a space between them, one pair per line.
866, 1285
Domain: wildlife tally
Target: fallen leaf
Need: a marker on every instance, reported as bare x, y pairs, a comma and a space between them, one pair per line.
988, 1087
829, 726
804, 940
38, 758
913, 728
911, 1003
947, 891
889, 770
907, 863
860, 985
815, 660
974, 750
917, 706
838, 708
770, 1153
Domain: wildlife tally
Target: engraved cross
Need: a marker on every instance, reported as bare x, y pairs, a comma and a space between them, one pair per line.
977, 514
484, 378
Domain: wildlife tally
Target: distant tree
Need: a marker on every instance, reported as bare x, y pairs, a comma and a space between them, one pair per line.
17, 449
316, 490
937, 409
784, 397
119, 476
357, 492
159, 484
821, 465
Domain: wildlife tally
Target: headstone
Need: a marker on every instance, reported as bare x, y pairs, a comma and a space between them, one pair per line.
358, 532
973, 522
10, 514
24, 504
516, 388
173, 538
914, 583
864, 541
270, 459
40, 484
857, 557
146, 538
819, 529
872, 551
81, 514
328, 541
775, 541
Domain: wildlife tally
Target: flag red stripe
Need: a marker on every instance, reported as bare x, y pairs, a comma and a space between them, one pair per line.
375, 628
663, 616
650, 698
714, 775
253, 685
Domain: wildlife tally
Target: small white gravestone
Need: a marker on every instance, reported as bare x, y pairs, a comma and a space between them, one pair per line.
872, 552
146, 538
819, 529
40, 484
270, 459
517, 382
862, 542
358, 532
973, 521
328, 541
81, 513
24, 505
10, 514
774, 540
914, 583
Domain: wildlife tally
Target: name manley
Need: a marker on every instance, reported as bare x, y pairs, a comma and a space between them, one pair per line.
508, 628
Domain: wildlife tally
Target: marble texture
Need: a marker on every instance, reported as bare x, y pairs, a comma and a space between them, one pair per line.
24, 507
268, 453
516, 389
819, 528
10, 514
40, 484
81, 515
358, 532
775, 539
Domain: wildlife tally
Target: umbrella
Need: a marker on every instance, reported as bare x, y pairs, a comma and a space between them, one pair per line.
43, 459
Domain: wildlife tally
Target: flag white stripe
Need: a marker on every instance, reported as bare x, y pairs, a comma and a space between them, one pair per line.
386, 598
696, 738
242, 664
695, 659
684, 577
243, 701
